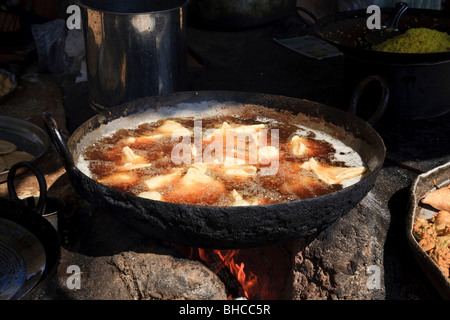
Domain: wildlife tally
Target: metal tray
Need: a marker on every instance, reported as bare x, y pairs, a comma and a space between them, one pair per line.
22, 260
27, 137
29, 250
424, 184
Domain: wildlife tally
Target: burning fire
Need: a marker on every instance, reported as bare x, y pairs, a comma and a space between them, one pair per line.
217, 260
256, 274
248, 281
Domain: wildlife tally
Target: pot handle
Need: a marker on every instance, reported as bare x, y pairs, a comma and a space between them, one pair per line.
382, 106
41, 180
58, 141
309, 13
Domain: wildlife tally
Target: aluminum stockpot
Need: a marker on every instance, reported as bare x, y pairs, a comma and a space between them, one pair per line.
134, 49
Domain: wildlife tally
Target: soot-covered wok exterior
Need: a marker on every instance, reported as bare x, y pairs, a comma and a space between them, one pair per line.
225, 227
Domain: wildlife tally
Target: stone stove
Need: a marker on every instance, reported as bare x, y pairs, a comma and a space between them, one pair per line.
120, 264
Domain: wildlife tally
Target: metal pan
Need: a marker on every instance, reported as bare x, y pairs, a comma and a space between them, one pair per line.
25, 135
29, 244
22, 260
424, 184
413, 80
222, 227
347, 31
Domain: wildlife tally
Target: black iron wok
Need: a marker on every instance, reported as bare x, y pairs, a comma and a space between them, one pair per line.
29, 244
417, 83
224, 227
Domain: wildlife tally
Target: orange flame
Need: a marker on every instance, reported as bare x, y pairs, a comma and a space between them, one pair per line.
261, 273
247, 280
233, 260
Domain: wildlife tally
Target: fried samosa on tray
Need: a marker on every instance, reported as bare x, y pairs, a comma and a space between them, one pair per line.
439, 199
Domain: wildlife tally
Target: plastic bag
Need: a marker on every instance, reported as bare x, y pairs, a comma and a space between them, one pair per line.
75, 49
49, 39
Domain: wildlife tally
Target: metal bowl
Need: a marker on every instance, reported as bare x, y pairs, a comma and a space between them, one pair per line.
13, 79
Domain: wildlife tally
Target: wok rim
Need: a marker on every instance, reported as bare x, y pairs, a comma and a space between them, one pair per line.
221, 227
118, 109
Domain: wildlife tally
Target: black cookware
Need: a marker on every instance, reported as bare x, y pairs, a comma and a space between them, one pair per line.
417, 83
222, 227
29, 244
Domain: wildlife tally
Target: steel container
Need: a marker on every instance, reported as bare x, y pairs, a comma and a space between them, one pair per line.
134, 49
